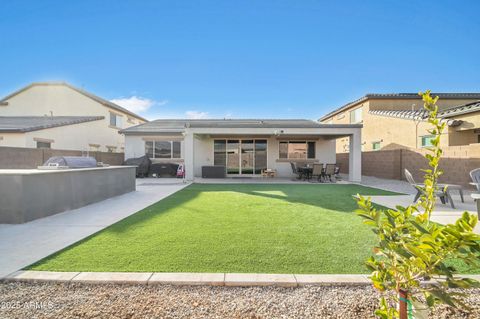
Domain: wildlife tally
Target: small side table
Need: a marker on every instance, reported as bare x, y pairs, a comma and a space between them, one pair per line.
269, 172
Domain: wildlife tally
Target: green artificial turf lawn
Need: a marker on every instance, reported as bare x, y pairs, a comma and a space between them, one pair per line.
261, 228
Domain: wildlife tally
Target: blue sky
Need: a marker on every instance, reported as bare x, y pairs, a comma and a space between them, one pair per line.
241, 59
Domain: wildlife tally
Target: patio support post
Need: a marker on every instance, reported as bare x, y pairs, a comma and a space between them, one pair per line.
188, 157
355, 157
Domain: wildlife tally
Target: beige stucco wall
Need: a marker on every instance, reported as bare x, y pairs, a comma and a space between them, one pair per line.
397, 133
470, 121
324, 153
13, 139
60, 100
79, 137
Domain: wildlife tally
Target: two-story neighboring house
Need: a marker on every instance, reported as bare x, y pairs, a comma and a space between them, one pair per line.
393, 121
61, 116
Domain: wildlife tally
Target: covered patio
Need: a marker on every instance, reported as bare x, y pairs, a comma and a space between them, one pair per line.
243, 148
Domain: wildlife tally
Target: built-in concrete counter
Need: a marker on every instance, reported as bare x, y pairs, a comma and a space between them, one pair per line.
28, 194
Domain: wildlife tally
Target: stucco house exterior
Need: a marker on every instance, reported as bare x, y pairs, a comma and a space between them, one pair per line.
395, 121
243, 146
60, 116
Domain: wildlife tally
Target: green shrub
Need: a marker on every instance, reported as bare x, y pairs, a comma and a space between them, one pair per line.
411, 249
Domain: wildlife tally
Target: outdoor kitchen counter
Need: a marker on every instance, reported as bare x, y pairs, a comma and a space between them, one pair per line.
28, 194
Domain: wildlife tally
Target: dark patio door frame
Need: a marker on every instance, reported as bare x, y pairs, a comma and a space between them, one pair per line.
243, 154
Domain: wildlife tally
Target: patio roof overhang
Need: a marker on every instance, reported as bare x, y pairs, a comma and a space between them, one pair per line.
332, 130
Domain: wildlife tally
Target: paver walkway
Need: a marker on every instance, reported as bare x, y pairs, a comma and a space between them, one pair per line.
24, 244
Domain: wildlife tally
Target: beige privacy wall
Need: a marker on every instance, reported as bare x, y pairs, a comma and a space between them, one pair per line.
20, 157
456, 163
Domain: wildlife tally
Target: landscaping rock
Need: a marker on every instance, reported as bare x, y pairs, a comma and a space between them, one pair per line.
77, 300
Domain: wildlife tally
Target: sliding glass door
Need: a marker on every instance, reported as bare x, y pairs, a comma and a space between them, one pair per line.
260, 156
248, 159
233, 157
242, 156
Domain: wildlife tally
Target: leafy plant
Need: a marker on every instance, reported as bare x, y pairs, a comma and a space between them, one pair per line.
411, 249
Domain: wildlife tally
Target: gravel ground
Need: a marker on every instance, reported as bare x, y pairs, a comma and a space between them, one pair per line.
51, 300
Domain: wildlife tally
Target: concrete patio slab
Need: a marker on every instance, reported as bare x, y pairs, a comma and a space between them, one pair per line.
24, 244
113, 277
443, 213
282, 280
303, 280
32, 275
194, 279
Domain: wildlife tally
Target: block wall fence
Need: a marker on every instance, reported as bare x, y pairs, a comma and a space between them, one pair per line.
23, 158
456, 163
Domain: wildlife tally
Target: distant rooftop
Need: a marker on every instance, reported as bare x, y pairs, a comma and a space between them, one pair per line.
81, 91
178, 125
397, 96
446, 115
23, 124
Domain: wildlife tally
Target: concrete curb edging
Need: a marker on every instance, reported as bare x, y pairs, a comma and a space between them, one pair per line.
195, 279
188, 279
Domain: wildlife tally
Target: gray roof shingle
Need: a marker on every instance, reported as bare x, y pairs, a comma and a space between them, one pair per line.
178, 125
22, 124
460, 109
446, 115
397, 96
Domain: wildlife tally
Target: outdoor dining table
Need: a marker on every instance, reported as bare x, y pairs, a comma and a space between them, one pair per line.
306, 172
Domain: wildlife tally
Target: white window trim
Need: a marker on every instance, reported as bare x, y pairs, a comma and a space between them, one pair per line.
421, 139
117, 115
361, 115
171, 149
306, 144
379, 143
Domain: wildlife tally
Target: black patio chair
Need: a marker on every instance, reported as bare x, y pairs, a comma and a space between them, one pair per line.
296, 170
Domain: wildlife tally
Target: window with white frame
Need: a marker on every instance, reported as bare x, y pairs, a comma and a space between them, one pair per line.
163, 149
296, 150
427, 140
356, 116
376, 145
116, 120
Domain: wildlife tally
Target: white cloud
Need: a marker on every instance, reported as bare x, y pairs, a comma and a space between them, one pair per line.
196, 115
137, 104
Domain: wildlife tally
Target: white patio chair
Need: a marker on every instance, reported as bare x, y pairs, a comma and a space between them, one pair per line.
441, 192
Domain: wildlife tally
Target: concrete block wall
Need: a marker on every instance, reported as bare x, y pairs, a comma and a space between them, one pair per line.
456, 163
24, 158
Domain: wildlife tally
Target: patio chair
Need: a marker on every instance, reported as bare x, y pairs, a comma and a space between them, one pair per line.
296, 171
441, 193
330, 172
475, 176
337, 173
317, 171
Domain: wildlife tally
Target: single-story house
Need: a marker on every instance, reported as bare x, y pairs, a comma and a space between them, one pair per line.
244, 147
